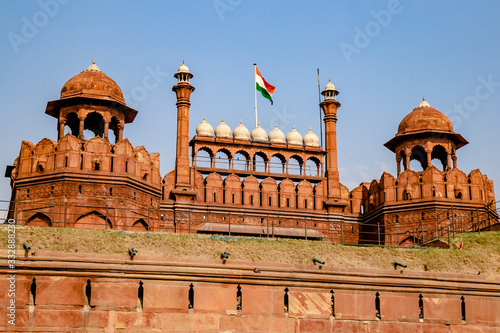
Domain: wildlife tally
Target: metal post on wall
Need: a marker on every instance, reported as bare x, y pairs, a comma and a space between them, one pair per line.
149, 218
378, 227
65, 212
305, 226
478, 223
267, 226
106, 221
342, 231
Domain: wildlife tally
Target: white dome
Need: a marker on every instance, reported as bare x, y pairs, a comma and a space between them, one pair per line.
222, 130
93, 67
259, 134
329, 86
276, 135
204, 129
241, 132
423, 103
311, 139
294, 137
183, 68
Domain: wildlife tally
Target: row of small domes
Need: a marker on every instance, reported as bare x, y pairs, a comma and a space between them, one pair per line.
258, 134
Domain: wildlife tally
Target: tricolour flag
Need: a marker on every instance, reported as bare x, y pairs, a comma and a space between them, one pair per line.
265, 88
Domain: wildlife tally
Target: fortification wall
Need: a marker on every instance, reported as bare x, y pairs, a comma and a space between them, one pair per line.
103, 293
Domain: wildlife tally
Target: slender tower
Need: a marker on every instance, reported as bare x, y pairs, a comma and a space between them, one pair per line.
330, 106
183, 90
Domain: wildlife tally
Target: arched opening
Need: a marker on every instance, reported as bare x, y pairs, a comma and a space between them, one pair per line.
241, 161
93, 220
204, 158
401, 161
277, 164
113, 130
140, 225
72, 124
312, 167
295, 165
260, 162
418, 155
94, 124
223, 159
39, 220
439, 153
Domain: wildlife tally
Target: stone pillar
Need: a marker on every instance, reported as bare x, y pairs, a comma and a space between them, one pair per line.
106, 130
407, 160
398, 161
448, 161
81, 127
429, 157
60, 133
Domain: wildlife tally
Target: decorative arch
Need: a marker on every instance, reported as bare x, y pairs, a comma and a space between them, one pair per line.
419, 154
313, 167
93, 220
241, 161
204, 157
73, 124
439, 152
277, 164
140, 225
94, 122
295, 165
223, 159
260, 161
39, 220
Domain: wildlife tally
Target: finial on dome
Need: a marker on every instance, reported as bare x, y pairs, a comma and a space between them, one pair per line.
258, 123
93, 67
204, 118
241, 123
293, 126
222, 119
423, 103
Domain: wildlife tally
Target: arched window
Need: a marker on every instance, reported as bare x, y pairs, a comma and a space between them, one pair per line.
418, 154
277, 164
94, 124
72, 124
113, 130
295, 165
312, 167
241, 161
260, 162
204, 158
439, 153
223, 159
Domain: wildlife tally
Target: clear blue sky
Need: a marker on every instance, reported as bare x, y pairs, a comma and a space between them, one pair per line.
381, 55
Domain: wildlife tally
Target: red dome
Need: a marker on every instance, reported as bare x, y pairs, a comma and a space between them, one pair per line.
425, 118
92, 83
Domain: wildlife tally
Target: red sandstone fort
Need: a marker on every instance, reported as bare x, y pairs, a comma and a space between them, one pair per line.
243, 183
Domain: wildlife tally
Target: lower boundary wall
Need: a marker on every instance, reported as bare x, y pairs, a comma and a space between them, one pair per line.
103, 293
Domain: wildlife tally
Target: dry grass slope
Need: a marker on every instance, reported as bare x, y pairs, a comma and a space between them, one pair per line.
480, 253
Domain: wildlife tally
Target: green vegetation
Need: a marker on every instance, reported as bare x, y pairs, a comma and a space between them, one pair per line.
480, 252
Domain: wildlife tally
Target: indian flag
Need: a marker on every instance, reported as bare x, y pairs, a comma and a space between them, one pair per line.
265, 88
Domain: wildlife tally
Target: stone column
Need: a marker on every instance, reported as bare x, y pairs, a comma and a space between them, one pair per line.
429, 157
398, 161
106, 129
81, 127
60, 134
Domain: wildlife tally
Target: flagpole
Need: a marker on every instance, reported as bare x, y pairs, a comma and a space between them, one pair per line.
255, 90
320, 124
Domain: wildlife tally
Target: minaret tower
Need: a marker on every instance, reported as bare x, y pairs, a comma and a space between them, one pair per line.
330, 106
183, 90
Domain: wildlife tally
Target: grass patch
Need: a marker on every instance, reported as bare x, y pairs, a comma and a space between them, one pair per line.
480, 253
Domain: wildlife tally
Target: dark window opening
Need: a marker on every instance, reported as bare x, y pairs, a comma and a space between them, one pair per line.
33, 292
233, 197
420, 306
88, 293
140, 296
251, 200
333, 302
215, 197
126, 166
377, 305
112, 163
39, 168
270, 201
191, 296
80, 189
288, 202
66, 161
470, 192
463, 307
285, 301
97, 165
81, 161
305, 203
239, 298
